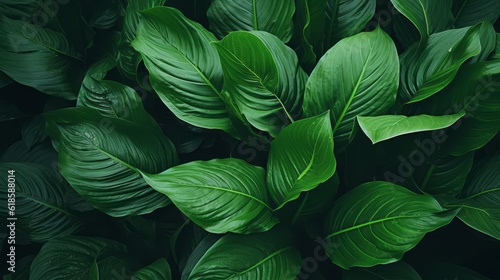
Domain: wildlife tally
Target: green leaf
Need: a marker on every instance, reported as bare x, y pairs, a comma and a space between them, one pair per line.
309, 28
274, 17
40, 58
158, 270
112, 99
220, 195
197, 253
345, 18
34, 131
358, 76
471, 12
394, 271
41, 153
443, 176
377, 222
475, 90
5, 80
301, 158
76, 257
481, 203
488, 41
268, 255
263, 77
190, 80
428, 16
381, 128
98, 155
128, 58
41, 208
426, 71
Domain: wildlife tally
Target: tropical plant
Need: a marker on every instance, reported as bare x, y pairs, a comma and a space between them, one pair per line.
284, 139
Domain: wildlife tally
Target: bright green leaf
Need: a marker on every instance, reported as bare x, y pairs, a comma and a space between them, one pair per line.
381, 128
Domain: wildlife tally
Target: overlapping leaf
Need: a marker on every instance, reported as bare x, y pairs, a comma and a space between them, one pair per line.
55, 66
220, 195
481, 203
301, 157
427, 71
158, 270
377, 222
96, 153
268, 255
184, 67
358, 76
247, 15
263, 77
471, 12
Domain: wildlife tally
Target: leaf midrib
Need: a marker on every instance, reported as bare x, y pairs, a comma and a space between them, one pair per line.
261, 262
353, 93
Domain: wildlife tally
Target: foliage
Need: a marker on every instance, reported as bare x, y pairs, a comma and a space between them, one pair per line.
284, 139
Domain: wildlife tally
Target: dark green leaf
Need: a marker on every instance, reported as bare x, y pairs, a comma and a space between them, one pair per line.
345, 18
471, 12
34, 131
428, 16
41, 209
40, 58
309, 28
394, 271
301, 157
481, 203
220, 195
358, 76
96, 155
247, 15
442, 270
377, 222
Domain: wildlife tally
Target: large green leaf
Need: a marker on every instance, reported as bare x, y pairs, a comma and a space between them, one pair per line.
274, 17
358, 76
268, 255
184, 67
96, 153
476, 90
128, 58
40, 58
345, 18
381, 128
301, 157
481, 203
377, 222
488, 41
41, 208
79, 258
471, 12
427, 70
428, 16
443, 176
438, 270
158, 270
220, 195
394, 271
263, 77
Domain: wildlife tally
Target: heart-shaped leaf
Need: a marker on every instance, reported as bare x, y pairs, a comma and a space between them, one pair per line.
220, 195
377, 222
301, 157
